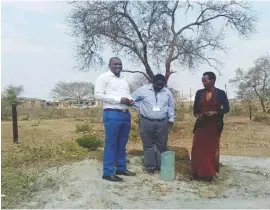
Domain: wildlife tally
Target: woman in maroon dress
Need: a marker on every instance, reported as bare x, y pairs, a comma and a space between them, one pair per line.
210, 105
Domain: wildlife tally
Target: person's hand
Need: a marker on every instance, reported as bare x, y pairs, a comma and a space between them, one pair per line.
125, 101
198, 115
211, 113
131, 102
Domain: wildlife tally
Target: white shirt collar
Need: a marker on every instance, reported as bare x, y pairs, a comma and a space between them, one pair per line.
112, 74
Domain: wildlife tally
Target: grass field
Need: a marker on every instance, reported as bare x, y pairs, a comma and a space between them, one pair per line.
45, 142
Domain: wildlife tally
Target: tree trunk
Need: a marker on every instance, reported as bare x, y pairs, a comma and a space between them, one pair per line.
263, 105
149, 71
168, 71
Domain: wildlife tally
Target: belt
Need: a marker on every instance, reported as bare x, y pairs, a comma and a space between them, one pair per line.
154, 120
117, 110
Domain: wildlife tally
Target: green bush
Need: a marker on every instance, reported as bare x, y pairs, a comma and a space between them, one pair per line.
85, 127
92, 143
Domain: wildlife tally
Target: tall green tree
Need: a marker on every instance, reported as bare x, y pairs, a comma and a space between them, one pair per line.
11, 93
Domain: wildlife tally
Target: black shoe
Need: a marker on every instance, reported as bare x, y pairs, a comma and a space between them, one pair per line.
125, 173
150, 171
112, 178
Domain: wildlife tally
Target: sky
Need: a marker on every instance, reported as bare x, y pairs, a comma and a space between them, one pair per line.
37, 52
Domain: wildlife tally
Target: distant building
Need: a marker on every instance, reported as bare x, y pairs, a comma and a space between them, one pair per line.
71, 103
180, 98
32, 102
64, 103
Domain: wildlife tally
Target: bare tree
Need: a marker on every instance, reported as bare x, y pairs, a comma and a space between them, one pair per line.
74, 90
11, 93
148, 31
175, 92
254, 83
138, 81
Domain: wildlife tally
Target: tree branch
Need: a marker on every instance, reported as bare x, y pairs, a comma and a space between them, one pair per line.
140, 72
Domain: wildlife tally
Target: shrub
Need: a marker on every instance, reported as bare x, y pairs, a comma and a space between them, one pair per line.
262, 117
94, 114
42, 113
180, 110
236, 110
5, 110
25, 118
92, 143
57, 113
134, 132
85, 127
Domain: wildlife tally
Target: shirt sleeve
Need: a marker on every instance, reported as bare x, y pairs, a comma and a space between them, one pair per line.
137, 97
100, 92
171, 107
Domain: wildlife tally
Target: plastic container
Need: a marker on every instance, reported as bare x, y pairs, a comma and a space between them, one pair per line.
167, 174
167, 169
168, 159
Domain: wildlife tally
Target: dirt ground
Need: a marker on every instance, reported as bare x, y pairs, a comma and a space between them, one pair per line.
243, 183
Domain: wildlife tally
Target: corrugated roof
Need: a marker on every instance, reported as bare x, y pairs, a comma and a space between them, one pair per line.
31, 99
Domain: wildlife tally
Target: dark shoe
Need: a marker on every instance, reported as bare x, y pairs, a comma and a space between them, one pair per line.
125, 173
150, 171
194, 177
112, 178
205, 179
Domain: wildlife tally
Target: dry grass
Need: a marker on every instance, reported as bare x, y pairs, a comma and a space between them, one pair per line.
241, 136
42, 144
49, 142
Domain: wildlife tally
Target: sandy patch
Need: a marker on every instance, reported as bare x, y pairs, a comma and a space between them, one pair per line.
243, 183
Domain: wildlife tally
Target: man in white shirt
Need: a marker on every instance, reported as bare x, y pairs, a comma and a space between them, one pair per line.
113, 90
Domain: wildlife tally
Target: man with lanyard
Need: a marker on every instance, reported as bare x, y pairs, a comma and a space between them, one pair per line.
113, 90
155, 104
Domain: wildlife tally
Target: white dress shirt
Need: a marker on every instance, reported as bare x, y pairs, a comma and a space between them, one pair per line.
110, 89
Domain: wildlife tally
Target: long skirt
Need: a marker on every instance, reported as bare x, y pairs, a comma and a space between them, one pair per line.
205, 151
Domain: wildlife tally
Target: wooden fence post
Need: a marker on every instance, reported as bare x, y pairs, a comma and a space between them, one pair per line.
250, 112
15, 123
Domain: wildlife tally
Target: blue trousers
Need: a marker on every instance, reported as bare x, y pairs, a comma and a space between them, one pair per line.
117, 127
